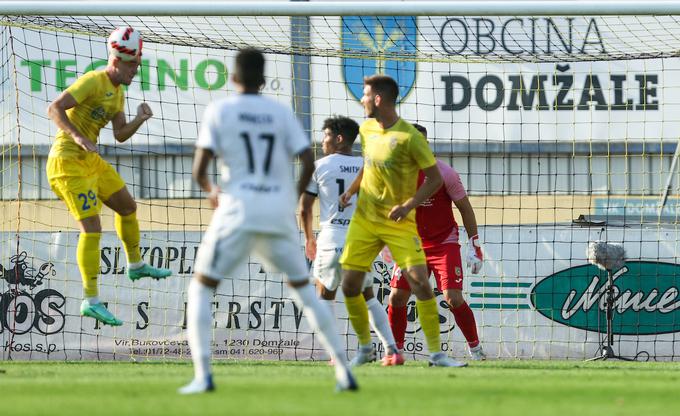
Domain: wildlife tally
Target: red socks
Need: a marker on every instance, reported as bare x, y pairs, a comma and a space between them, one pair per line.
466, 322
398, 321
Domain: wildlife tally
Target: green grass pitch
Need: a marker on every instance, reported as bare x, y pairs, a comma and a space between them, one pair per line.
542, 388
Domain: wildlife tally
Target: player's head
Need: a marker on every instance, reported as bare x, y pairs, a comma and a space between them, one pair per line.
249, 69
339, 134
380, 93
421, 129
125, 55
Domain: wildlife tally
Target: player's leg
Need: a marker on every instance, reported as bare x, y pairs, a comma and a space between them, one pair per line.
400, 291
87, 257
447, 266
283, 253
75, 183
404, 243
361, 247
378, 319
326, 274
116, 196
449, 275
199, 332
220, 252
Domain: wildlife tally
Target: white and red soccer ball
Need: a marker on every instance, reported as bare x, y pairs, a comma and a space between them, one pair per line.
125, 43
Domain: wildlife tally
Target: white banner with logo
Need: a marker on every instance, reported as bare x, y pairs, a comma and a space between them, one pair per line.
464, 78
536, 298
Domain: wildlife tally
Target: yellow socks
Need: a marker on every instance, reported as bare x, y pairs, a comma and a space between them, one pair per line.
429, 321
87, 255
358, 316
127, 229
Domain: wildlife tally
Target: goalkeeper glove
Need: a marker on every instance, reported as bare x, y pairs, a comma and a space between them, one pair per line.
475, 258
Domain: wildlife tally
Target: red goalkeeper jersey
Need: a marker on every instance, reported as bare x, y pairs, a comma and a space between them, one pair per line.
436, 224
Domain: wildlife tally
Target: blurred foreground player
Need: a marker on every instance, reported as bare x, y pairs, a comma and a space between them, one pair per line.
255, 139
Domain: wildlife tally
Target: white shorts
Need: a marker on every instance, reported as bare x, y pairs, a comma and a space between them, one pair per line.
224, 248
327, 268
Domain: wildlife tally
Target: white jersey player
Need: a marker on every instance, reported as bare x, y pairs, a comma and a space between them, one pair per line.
332, 175
254, 138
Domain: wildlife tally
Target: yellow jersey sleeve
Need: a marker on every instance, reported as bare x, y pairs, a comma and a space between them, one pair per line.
420, 151
84, 87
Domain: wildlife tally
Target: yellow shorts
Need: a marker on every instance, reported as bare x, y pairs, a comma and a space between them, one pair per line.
83, 183
366, 238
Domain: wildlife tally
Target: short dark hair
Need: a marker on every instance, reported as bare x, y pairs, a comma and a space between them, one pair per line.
342, 125
250, 67
384, 86
421, 129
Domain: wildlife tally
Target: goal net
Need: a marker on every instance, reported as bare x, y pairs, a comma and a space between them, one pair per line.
563, 128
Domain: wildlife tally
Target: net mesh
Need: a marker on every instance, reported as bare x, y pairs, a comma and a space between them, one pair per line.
546, 119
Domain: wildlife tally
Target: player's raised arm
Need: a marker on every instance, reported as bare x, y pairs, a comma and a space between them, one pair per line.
57, 113
123, 130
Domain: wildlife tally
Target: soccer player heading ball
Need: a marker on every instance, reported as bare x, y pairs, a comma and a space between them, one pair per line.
255, 139
394, 151
83, 180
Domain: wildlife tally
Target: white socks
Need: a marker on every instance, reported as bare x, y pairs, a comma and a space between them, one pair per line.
133, 266
378, 318
323, 323
199, 319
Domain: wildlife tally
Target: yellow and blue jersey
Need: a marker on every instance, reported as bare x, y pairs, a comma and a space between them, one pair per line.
98, 102
392, 159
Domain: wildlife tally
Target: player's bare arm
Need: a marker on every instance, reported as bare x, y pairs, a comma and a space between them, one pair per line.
353, 189
467, 214
57, 113
475, 256
306, 218
123, 130
433, 181
307, 160
199, 172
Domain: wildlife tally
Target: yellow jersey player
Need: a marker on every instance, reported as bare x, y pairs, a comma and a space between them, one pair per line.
83, 180
394, 151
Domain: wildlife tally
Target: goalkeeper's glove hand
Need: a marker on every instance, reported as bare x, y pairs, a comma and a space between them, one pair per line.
475, 258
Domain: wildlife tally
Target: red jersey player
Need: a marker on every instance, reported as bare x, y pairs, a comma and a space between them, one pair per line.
439, 233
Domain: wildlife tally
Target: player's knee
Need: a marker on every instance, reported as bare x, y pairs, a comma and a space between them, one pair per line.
129, 208
399, 297
454, 298
206, 281
326, 294
351, 282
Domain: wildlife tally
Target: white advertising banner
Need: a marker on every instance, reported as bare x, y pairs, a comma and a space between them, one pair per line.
537, 297
567, 78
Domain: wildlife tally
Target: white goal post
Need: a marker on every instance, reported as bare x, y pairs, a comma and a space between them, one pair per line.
562, 118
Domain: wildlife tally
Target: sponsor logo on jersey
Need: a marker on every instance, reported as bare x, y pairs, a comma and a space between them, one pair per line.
391, 39
98, 113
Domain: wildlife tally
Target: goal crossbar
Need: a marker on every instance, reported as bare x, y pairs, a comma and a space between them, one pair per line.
374, 8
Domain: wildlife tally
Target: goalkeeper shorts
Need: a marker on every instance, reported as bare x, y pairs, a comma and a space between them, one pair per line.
83, 183
444, 261
365, 239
